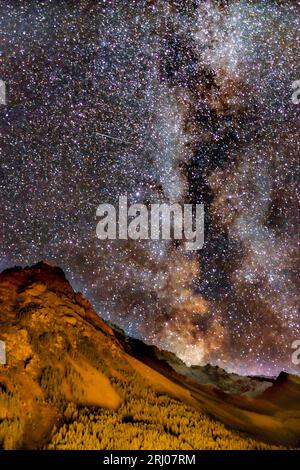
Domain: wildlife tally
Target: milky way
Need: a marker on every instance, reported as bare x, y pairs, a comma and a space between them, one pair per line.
165, 101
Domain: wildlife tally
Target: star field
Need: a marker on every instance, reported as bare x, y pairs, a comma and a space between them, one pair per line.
167, 101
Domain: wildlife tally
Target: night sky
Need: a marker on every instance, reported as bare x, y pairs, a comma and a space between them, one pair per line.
167, 101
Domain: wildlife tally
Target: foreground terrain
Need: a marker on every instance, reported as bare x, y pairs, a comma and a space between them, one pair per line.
73, 382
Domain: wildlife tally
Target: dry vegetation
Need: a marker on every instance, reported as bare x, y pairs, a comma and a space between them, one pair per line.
147, 419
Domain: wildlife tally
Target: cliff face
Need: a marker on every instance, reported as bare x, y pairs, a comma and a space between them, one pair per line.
55, 347
61, 357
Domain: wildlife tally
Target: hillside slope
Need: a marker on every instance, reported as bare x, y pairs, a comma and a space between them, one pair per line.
72, 381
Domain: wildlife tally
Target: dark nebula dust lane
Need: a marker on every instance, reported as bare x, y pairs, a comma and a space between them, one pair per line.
167, 101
